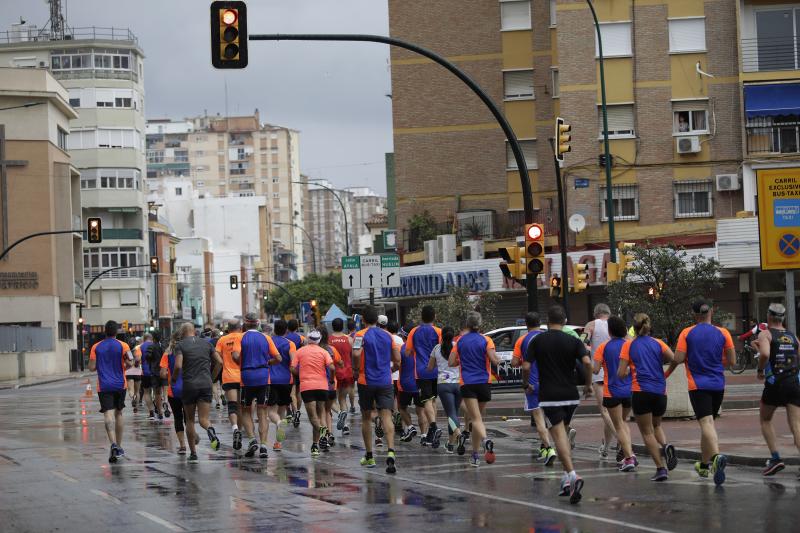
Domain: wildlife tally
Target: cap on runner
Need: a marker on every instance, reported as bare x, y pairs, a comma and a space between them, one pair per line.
314, 337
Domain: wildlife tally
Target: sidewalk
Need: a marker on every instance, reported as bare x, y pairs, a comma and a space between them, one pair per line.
42, 380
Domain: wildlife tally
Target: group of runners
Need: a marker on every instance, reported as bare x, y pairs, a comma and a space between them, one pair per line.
265, 378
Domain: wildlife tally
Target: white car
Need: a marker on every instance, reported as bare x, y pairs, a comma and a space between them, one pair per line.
504, 340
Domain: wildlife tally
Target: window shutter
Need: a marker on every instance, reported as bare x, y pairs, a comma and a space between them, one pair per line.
129, 297
518, 83
528, 152
687, 35
620, 119
104, 95
690, 105
616, 39
515, 15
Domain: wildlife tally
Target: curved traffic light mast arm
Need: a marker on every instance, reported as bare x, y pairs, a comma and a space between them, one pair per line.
40, 234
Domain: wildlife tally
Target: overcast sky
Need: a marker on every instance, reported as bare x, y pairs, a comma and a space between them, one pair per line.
334, 93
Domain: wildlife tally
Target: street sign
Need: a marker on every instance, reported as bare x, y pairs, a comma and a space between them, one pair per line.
370, 271
779, 218
390, 270
389, 239
581, 183
351, 272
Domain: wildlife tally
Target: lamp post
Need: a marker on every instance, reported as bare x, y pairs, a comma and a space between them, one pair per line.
344, 210
310, 240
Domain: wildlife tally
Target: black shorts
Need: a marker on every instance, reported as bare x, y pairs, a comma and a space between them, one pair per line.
147, 381
316, 395
782, 393
649, 403
610, 403
164, 382
191, 396
280, 395
706, 402
372, 397
427, 389
407, 398
134, 378
112, 400
479, 391
331, 395
256, 394
231, 386
557, 414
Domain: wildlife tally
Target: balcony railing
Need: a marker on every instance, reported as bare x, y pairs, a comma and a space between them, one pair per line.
125, 273
766, 137
90, 73
120, 233
70, 34
770, 53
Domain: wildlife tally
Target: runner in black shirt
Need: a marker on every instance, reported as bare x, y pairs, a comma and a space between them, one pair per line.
555, 353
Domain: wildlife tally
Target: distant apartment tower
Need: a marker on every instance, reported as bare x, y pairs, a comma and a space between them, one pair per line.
102, 69
364, 205
326, 225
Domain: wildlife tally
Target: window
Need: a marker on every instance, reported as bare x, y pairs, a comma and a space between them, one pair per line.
616, 39
518, 84
75, 102
693, 199
626, 202
104, 97
65, 331
62, 136
553, 17
97, 259
110, 178
200, 184
689, 118
528, 150
123, 102
155, 156
620, 120
515, 15
129, 297
276, 180
687, 35
178, 191
88, 183
556, 83
104, 138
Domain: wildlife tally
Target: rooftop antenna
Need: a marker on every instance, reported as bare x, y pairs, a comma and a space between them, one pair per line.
56, 21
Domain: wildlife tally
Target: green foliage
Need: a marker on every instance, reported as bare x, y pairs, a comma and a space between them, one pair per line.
662, 282
325, 289
452, 310
423, 225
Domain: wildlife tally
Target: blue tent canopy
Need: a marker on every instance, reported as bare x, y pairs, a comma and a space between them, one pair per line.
334, 312
772, 100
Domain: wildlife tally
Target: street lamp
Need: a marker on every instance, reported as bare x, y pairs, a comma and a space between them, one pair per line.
341, 203
310, 240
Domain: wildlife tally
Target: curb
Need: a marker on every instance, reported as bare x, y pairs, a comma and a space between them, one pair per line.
594, 410
739, 460
45, 381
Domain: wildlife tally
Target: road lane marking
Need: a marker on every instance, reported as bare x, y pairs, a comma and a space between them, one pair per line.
160, 521
106, 496
63, 476
462, 466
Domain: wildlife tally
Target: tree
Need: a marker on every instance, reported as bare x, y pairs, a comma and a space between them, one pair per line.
452, 310
325, 289
422, 226
662, 282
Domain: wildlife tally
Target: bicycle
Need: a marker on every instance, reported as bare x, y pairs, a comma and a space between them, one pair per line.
745, 358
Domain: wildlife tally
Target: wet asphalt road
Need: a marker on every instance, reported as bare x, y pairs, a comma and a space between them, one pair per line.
54, 476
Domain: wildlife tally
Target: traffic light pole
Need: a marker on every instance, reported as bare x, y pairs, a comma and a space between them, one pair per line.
522, 167
562, 231
40, 234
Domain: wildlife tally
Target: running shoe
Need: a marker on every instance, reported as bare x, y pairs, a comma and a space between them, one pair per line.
237, 439
475, 460
576, 485
296, 419
461, 447
152, 415
466, 433
378, 442
551, 457
488, 448
700, 469
352, 409
212, 436
223, 399
437, 439
671, 457
346, 431
120, 451
217, 406
192, 457
406, 436
413, 430
398, 422
112, 454
571, 437
565, 485
542, 454
276, 446
166, 409
341, 420
252, 448
135, 408
314, 450
628, 465
449, 448
423, 441
289, 415
718, 468
331, 439
262, 452
182, 450
378, 427
661, 475
369, 463
620, 455
280, 433
603, 451
160, 416
391, 467
773, 467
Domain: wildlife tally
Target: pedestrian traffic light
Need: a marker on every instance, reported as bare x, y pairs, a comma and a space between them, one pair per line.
534, 249
95, 230
555, 286
234, 282
228, 34
513, 265
563, 138
580, 277
154, 265
625, 257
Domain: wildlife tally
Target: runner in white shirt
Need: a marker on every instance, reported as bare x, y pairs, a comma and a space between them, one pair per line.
596, 333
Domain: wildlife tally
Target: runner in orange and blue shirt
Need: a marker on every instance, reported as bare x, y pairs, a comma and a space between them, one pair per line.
231, 377
110, 357
704, 348
420, 343
338, 362
174, 391
475, 354
616, 389
408, 393
646, 356
280, 381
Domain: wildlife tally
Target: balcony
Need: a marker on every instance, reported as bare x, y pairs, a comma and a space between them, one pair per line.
70, 34
120, 234
765, 54
765, 136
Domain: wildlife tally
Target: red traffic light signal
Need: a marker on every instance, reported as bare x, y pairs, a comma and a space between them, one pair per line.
534, 248
94, 230
154, 265
228, 34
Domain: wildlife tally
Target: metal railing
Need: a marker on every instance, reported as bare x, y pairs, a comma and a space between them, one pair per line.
120, 233
764, 136
770, 53
90, 73
129, 273
70, 34
25, 339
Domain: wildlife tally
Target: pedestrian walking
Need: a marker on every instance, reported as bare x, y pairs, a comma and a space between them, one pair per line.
449, 391
596, 333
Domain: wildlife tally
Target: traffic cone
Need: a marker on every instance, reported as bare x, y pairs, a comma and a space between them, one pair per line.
88, 392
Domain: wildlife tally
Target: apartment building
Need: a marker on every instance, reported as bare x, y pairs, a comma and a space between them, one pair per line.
325, 223
364, 205
40, 279
103, 72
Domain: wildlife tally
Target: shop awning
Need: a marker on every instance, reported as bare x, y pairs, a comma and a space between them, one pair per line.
772, 100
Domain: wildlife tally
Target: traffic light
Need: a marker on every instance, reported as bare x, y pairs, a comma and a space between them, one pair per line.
580, 277
563, 138
555, 286
513, 265
625, 257
534, 249
234, 282
125, 326
228, 34
154, 265
95, 230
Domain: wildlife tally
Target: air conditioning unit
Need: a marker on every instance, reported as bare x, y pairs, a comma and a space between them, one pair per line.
688, 145
728, 182
431, 252
472, 250
43, 64
447, 248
